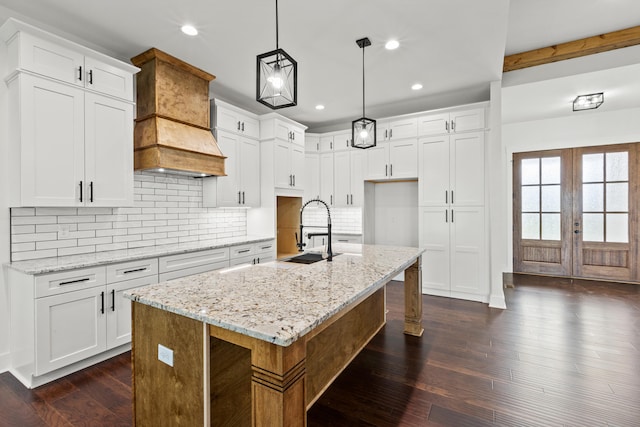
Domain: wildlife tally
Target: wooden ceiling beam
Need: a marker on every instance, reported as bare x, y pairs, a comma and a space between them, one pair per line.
574, 49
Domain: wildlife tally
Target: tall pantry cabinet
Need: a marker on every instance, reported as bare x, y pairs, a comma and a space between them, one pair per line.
71, 121
451, 186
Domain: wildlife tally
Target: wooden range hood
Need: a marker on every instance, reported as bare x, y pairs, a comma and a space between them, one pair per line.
172, 129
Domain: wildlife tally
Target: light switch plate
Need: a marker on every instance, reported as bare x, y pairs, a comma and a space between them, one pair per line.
165, 355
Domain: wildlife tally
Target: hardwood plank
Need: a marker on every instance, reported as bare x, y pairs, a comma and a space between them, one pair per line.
573, 49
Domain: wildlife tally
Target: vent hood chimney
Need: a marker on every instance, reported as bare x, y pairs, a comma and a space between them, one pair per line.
172, 130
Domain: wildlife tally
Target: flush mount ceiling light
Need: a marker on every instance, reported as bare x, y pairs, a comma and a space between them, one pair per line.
416, 86
189, 30
588, 102
319, 107
363, 130
276, 77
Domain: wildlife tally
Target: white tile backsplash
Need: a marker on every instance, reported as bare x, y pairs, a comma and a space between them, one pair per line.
167, 210
346, 220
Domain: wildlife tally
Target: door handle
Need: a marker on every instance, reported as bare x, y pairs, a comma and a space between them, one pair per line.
352, 199
102, 302
390, 133
294, 180
239, 200
446, 196
386, 170
451, 196
446, 215
391, 170
80, 191
80, 73
90, 77
238, 125
113, 300
452, 216
243, 202
91, 191
242, 126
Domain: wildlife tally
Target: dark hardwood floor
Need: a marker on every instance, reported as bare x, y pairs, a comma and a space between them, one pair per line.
564, 353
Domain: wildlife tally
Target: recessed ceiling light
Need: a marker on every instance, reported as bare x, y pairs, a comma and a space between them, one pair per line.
392, 44
189, 30
416, 86
319, 107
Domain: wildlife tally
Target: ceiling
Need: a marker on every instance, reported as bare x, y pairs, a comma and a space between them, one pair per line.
453, 47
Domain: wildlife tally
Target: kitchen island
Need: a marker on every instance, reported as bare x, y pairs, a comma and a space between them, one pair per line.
257, 346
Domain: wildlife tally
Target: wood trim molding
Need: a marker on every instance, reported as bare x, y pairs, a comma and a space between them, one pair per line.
574, 49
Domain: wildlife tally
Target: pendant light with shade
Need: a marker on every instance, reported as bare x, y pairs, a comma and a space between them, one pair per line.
276, 77
363, 130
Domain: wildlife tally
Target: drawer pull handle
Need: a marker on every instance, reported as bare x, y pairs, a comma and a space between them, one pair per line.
266, 247
244, 251
70, 282
135, 270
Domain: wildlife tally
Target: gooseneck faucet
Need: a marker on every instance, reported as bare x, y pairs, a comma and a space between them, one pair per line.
300, 244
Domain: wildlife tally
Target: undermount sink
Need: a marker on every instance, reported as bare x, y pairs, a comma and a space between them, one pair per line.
307, 258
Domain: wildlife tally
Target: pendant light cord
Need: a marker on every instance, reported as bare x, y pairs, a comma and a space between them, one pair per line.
276, 24
362, 81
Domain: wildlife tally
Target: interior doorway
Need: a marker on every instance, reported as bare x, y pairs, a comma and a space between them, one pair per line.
576, 212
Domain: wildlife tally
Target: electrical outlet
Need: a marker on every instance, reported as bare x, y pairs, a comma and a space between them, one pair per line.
165, 355
63, 230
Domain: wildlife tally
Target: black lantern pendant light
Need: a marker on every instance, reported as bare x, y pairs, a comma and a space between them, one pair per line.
277, 77
363, 130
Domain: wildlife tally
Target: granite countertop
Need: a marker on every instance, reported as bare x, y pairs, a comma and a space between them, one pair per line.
71, 262
279, 302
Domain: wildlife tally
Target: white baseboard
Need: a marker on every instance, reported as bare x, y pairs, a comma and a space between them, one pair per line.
5, 361
497, 301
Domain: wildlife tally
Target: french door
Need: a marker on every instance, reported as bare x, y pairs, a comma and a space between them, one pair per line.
576, 212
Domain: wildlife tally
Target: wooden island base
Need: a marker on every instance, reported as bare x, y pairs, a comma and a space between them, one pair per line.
220, 377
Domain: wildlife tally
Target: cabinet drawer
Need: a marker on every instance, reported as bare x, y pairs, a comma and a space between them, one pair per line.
346, 238
242, 251
132, 270
265, 247
245, 260
176, 274
67, 281
192, 259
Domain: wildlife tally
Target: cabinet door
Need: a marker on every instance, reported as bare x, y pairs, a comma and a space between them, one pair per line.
434, 238
297, 136
403, 128
49, 59
342, 178
326, 144
377, 166
250, 127
358, 161
382, 131
107, 79
282, 164
282, 130
52, 142
433, 178
467, 120
228, 187
249, 157
403, 158
118, 310
468, 264
227, 119
467, 169
342, 141
69, 327
433, 124
297, 166
108, 153
312, 177
326, 178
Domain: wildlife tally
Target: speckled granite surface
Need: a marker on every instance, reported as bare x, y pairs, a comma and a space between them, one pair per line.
49, 265
279, 302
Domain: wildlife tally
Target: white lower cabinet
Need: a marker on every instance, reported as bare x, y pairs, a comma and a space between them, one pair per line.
252, 254
348, 180
454, 263
62, 318
181, 265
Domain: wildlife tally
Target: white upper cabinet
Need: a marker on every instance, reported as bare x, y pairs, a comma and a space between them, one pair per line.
349, 178
311, 176
241, 185
393, 160
235, 120
283, 149
311, 143
452, 170
451, 122
70, 122
342, 141
326, 178
395, 129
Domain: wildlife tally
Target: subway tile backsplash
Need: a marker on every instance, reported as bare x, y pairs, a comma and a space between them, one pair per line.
167, 210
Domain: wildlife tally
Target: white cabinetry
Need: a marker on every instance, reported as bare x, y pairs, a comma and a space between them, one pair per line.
348, 175
311, 177
181, 265
282, 152
393, 160
396, 129
71, 122
326, 178
241, 186
59, 319
251, 254
450, 122
233, 119
452, 216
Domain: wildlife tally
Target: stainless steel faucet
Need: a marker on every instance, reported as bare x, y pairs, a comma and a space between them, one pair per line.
300, 244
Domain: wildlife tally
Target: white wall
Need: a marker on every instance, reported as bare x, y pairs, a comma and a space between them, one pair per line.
579, 130
4, 217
